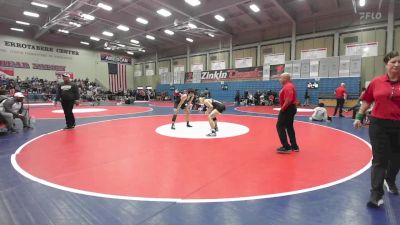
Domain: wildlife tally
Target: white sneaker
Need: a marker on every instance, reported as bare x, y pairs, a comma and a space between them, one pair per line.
212, 134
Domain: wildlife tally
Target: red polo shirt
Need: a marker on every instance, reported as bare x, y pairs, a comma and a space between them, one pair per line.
288, 92
386, 95
340, 91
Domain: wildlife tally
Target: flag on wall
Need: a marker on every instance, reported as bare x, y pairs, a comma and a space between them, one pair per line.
6, 71
117, 77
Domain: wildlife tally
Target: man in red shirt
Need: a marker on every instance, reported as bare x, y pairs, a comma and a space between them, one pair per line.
341, 94
288, 101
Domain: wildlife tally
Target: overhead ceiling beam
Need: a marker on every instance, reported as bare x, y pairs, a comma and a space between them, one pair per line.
284, 12
254, 18
311, 6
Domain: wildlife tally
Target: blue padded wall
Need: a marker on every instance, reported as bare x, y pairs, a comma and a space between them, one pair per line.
326, 85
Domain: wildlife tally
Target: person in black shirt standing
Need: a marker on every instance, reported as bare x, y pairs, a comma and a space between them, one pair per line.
68, 94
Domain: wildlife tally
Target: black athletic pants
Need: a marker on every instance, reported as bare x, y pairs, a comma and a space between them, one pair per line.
339, 104
385, 141
69, 116
285, 124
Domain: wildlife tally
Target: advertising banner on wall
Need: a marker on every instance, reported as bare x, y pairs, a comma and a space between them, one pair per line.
218, 65
108, 57
266, 70
249, 73
314, 68
275, 71
355, 66
243, 62
197, 67
363, 49
274, 59
317, 53
344, 67
6, 71
296, 67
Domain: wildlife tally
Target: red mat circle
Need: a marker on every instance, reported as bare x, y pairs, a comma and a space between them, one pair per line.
46, 113
270, 110
137, 162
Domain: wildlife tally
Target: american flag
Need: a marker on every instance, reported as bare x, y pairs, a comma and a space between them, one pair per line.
117, 78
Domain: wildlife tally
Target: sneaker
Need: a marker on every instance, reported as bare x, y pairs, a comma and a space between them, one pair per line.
68, 127
391, 187
216, 128
212, 134
188, 125
295, 149
375, 201
284, 150
341, 115
173, 127
13, 131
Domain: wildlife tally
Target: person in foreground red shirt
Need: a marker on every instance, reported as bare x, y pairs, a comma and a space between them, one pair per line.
384, 130
284, 126
341, 95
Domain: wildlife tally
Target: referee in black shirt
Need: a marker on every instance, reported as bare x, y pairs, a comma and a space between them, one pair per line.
68, 94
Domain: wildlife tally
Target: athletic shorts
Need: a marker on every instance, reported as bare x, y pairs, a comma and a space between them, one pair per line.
221, 108
183, 106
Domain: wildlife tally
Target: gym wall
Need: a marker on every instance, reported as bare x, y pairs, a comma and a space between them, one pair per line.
83, 63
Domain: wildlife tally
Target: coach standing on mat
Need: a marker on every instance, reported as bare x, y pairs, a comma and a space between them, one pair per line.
288, 101
341, 95
68, 94
384, 130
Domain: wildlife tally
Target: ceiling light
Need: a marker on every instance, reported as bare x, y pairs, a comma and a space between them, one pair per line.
362, 3
134, 41
23, 23
17, 29
107, 33
104, 6
75, 24
191, 25
94, 38
84, 43
87, 17
141, 20
219, 18
32, 14
129, 52
150, 37
193, 2
107, 48
164, 12
142, 50
121, 45
169, 32
123, 28
254, 7
63, 31
39, 4
189, 39
210, 34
